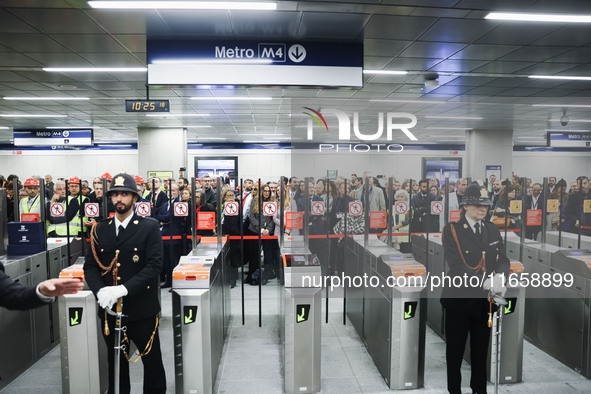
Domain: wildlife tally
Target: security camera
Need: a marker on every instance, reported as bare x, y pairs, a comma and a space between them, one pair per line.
564, 119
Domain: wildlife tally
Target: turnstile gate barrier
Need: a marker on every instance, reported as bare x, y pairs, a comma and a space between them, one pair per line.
83, 350
198, 321
300, 331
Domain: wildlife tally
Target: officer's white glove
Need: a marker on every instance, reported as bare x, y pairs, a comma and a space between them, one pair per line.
107, 296
496, 284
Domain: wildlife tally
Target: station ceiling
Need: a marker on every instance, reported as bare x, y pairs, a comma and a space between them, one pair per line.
482, 67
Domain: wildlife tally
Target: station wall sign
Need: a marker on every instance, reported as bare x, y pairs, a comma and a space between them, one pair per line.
190, 62
53, 137
569, 140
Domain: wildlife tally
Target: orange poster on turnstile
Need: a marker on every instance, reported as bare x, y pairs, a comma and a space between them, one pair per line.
534, 217
205, 220
294, 220
454, 216
377, 219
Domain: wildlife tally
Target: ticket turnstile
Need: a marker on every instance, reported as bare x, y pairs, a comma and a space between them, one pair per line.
568, 240
83, 350
564, 324
300, 320
199, 323
390, 315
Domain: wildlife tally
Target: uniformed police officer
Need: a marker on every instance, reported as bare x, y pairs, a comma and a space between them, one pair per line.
124, 261
473, 249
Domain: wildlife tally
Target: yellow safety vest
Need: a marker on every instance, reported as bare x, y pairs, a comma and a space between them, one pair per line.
74, 224
34, 207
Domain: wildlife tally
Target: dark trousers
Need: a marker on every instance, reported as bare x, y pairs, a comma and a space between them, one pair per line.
457, 327
139, 332
173, 250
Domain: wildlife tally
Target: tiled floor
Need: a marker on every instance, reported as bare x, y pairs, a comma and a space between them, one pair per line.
251, 360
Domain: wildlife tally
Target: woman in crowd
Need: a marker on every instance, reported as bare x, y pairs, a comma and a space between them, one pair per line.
561, 195
401, 223
231, 226
265, 227
202, 207
435, 191
501, 209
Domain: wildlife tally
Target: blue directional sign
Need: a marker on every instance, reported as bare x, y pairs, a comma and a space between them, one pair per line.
53, 137
189, 62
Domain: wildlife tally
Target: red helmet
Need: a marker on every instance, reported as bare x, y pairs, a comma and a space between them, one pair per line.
139, 179
108, 176
31, 182
74, 179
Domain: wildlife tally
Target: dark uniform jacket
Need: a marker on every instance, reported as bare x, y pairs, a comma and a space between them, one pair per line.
156, 201
140, 255
16, 296
467, 298
421, 205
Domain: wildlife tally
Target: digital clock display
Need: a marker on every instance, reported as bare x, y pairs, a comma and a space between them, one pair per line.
147, 106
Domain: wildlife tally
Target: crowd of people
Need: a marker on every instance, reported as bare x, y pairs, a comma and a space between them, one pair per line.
373, 193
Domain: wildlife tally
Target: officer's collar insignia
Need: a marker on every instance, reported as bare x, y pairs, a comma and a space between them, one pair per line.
135, 258
465, 225
483, 193
119, 181
110, 221
136, 221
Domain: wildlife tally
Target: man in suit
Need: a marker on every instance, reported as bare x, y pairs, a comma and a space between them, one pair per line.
473, 248
124, 262
376, 196
156, 197
535, 200
421, 204
16, 296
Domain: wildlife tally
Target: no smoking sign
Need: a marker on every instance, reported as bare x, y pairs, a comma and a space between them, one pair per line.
181, 209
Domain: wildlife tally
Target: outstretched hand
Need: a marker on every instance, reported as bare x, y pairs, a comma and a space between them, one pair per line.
58, 287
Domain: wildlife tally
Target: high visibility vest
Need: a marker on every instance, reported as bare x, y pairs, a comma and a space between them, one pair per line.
403, 229
74, 224
34, 207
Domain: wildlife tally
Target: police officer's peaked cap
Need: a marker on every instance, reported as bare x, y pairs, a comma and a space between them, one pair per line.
123, 183
475, 195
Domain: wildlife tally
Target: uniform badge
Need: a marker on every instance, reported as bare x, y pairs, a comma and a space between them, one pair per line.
135, 258
136, 221
483, 193
119, 181
465, 225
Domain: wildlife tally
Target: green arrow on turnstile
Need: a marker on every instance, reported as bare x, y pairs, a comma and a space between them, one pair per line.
508, 308
189, 319
74, 320
408, 315
302, 317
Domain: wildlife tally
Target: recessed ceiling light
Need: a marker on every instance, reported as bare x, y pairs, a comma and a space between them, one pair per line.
32, 116
385, 72
408, 101
72, 127
95, 69
4, 128
260, 142
226, 98
46, 98
562, 105
573, 120
186, 5
185, 127
455, 117
528, 17
167, 115
211, 138
212, 61
560, 77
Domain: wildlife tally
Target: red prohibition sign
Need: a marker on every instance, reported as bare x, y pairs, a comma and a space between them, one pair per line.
436, 207
317, 208
401, 207
91, 210
269, 208
231, 209
355, 208
57, 209
143, 209
180, 209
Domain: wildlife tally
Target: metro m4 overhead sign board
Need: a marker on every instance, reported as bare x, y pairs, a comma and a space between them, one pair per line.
190, 62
